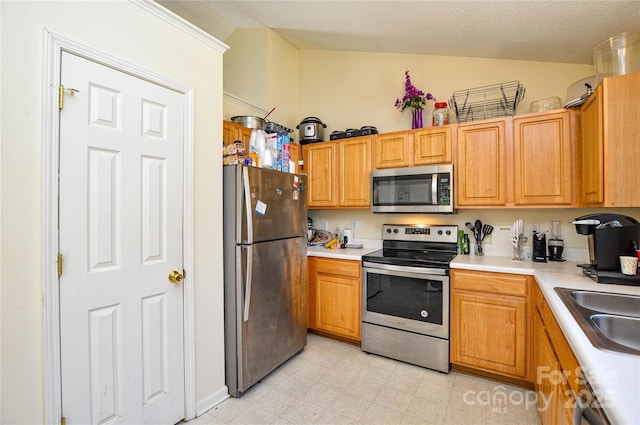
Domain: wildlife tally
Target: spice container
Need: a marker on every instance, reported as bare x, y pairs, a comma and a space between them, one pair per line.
440, 114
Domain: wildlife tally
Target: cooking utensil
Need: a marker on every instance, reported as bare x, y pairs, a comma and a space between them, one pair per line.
470, 226
269, 113
249, 121
478, 230
486, 230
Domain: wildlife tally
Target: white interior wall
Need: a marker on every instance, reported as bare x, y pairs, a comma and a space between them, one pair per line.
353, 89
126, 31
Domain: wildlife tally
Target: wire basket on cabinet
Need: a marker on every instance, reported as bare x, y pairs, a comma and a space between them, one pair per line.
496, 100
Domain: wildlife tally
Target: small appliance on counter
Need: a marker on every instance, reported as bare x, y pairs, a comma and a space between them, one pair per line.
609, 237
539, 247
311, 130
556, 244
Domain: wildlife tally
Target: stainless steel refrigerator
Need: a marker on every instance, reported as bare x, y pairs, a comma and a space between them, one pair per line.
265, 272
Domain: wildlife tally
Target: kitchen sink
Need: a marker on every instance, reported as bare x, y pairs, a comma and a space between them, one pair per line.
610, 321
622, 330
626, 305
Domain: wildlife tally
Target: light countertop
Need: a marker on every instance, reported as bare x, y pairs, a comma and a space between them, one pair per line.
340, 254
615, 376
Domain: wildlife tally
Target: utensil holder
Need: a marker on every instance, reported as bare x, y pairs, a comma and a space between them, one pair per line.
517, 248
478, 250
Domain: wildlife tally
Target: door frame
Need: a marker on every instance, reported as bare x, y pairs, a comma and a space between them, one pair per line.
54, 45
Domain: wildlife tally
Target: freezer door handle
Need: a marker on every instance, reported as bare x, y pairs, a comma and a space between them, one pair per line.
247, 285
247, 203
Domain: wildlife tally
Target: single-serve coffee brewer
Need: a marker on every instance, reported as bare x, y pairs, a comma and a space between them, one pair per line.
609, 237
556, 244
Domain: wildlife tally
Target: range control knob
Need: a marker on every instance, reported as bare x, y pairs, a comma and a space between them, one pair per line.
440, 232
388, 230
395, 230
448, 232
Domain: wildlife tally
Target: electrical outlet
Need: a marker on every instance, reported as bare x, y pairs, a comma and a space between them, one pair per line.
353, 225
535, 228
324, 225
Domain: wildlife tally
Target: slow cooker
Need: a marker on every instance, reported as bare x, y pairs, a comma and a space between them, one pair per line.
311, 130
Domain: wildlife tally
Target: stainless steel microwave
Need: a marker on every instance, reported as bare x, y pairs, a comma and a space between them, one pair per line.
426, 189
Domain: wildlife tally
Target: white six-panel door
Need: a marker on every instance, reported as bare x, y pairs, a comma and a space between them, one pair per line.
120, 233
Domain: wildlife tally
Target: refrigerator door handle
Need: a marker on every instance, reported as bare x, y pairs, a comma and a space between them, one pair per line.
247, 203
247, 285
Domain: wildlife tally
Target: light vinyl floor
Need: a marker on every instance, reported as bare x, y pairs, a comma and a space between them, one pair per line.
331, 382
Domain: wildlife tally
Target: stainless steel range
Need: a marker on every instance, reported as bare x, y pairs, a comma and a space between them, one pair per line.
405, 293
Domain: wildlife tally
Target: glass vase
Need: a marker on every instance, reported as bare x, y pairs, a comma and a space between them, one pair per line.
416, 118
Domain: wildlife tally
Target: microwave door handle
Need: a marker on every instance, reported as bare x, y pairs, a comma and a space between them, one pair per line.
434, 189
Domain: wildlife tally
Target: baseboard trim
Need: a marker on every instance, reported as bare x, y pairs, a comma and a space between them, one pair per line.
208, 403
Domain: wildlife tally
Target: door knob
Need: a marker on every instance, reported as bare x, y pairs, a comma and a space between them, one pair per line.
175, 276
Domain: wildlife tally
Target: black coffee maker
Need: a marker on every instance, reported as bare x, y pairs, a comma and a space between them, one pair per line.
609, 237
539, 247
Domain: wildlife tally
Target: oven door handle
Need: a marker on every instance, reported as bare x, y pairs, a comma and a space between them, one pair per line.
408, 269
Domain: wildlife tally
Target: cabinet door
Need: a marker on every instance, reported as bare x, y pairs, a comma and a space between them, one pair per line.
244, 135
294, 155
319, 164
392, 150
543, 160
481, 164
489, 333
355, 172
338, 305
565, 404
547, 373
592, 150
621, 123
432, 145
229, 133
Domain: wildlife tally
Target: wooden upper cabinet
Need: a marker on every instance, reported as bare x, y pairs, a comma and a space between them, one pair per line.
543, 159
354, 162
611, 143
294, 156
339, 173
481, 164
393, 150
432, 145
232, 132
591, 150
320, 166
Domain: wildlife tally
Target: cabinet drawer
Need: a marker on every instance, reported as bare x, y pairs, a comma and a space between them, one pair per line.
338, 267
499, 284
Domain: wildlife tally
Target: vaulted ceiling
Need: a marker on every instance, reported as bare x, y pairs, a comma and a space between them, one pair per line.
564, 31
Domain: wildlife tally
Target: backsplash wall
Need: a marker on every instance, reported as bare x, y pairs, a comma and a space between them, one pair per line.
369, 225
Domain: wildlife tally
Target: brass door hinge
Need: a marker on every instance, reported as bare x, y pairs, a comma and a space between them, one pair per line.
61, 91
184, 274
60, 273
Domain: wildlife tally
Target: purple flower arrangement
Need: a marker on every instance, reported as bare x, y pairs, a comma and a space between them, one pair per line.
413, 98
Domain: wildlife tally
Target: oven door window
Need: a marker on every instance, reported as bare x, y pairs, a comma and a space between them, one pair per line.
412, 298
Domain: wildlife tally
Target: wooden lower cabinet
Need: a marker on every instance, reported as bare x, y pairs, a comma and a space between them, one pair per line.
489, 322
555, 368
335, 297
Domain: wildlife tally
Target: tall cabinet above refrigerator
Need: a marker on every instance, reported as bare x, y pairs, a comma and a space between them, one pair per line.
265, 266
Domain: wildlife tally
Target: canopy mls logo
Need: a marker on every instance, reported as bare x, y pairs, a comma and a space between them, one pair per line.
500, 398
